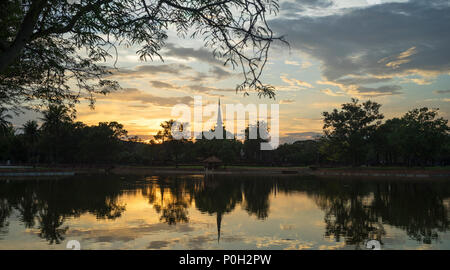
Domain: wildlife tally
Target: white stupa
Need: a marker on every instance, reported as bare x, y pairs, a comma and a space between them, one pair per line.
219, 123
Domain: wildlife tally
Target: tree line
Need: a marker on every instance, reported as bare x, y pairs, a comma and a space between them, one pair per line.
353, 135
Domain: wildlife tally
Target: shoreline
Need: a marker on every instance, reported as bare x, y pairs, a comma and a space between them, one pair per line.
22, 172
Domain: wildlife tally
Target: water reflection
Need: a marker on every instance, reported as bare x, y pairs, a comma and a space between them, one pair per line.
353, 211
48, 203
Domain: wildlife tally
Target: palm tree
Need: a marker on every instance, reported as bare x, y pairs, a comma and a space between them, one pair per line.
55, 116
4, 123
31, 134
30, 129
56, 119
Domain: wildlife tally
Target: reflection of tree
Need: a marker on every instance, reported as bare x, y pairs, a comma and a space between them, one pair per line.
172, 204
417, 208
218, 196
5, 211
349, 218
346, 213
174, 212
256, 195
27, 205
354, 210
49, 202
357, 211
50, 226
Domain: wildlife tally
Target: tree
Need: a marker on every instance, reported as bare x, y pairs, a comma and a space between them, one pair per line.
252, 145
350, 130
389, 141
420, 136
56, 128
166, 133
101, 143
54, 117
31, 136
300, 153
172, 146
4, 123
425, 134
41, 41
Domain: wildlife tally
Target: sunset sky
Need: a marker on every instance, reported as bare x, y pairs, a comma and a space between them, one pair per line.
393, 52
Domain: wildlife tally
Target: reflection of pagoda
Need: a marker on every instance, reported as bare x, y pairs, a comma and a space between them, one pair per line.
219, 223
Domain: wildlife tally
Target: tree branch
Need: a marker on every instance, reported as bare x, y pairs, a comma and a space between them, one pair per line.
8, 55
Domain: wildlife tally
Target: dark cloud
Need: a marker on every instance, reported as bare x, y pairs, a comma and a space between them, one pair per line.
145, 70
206, 89
376, 43
442, 92
362, 80
220, 73
160, 84
196, 88
299, 136
202, 54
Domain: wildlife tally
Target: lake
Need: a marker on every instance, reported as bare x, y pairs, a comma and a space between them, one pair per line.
224, 212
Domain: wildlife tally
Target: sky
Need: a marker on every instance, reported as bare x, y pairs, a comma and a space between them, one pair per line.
392, 52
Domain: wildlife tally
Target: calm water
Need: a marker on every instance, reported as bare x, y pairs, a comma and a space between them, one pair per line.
164, 212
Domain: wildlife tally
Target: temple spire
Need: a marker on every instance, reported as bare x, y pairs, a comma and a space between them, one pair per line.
219, 124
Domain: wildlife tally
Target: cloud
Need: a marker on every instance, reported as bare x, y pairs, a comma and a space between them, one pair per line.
292, 63
146, 70
378, 42
306, 65
291, 8
437, 100
294, 82
330, 92
442, 91
136, 95
287, 101
194, 88
419, 81
325, 105
403, 58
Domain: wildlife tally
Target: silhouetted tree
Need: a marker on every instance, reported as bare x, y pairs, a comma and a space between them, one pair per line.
350, 130
41, 41
5, 124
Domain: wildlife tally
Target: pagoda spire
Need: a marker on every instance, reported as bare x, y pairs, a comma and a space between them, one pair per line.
219, 124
